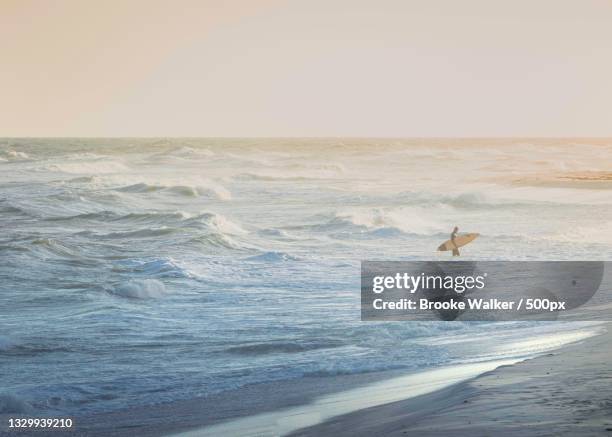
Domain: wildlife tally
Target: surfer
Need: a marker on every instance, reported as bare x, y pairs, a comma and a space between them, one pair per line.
452, 238
457, 240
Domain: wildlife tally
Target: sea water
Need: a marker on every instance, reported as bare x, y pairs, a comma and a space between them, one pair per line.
142, 271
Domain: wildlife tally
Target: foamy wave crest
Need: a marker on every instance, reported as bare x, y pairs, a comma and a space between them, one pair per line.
386, 221
211, 189
218, 241
140, 289
218, 223
11, 404
13, 155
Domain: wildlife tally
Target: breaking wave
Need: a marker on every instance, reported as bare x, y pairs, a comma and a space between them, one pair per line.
13, 155
211, 190
382, 222
140, 289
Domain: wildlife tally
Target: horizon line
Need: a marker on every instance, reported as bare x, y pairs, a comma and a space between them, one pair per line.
307, 137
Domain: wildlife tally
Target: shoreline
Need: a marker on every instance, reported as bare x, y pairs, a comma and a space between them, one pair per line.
286, 421
416, 394
565, 392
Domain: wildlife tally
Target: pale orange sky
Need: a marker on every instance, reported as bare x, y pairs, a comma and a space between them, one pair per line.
306, 68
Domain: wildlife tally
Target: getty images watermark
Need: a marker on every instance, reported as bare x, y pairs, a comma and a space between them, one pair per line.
486, 290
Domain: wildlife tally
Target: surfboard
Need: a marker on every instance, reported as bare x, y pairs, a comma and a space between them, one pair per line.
460, 240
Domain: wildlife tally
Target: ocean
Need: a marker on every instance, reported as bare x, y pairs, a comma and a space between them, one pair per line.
136, 272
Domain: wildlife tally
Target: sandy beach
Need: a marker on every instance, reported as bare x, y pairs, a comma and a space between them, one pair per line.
568, 392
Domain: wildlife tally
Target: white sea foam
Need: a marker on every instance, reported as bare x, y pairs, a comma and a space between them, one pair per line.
15, 155
407, 220
140, 289
222, 224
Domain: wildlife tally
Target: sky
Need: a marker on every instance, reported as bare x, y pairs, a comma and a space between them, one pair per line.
306, 68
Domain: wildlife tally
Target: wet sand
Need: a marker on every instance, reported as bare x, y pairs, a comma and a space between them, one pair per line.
568, 392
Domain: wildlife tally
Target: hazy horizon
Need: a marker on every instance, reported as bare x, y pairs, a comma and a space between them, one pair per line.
322, 137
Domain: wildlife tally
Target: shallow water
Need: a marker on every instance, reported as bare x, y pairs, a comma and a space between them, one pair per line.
143, 271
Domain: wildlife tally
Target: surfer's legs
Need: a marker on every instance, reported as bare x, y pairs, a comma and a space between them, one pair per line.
456, 252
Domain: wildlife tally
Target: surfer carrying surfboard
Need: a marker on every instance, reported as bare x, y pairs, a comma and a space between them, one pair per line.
456, 241
452, 238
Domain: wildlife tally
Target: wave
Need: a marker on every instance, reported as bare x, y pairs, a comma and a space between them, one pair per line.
138, 233
13, 155
272, 257
112, 216
210, 190
58, 248
155, 268
218, 223
383, 222
272, 347
219, 230
186, 152
218, 241
210, 229
208, 220
140, 289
